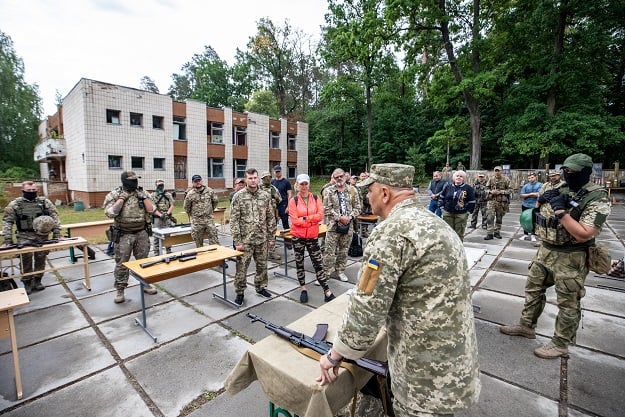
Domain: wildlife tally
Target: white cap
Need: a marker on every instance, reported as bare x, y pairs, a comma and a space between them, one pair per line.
303, 178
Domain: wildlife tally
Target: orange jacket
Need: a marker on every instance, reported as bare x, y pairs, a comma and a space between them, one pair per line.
305, 218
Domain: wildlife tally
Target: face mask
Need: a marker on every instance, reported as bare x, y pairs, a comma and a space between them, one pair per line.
266, 180
130, 185
29, 195
576, 180
160, 188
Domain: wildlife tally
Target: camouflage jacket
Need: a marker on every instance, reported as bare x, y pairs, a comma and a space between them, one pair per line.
21, 213
498, 189
480, 191
551, 186
162, 201
414, 279
199, 205
332, 206
276, 198
133, 216
252, 218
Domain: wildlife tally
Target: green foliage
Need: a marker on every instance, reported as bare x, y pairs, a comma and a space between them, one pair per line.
263, 102
148, 84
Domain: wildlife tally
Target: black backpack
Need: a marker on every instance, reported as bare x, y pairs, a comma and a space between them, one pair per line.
355, 249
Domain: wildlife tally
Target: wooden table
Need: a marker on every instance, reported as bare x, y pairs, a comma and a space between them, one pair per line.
288, 377
9, 300
61, 244
163, 271
86, 230
285, 236
173, 235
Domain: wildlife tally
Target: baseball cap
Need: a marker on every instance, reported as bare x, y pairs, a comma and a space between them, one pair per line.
277, 168
129, 175
159, 181
391, 174
239, 181
577, 162
497, 168
480, 174
265, 174
303, 178
553, 172
196, 177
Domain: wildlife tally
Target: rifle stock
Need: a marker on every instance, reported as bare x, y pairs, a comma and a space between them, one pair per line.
185, 256
36, 243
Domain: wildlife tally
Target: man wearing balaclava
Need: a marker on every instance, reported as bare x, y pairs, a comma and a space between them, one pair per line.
35, 217
130, 210
568, 221
164, 202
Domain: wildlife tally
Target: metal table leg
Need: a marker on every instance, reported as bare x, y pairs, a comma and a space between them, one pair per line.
143, 322
224, 297
286, 264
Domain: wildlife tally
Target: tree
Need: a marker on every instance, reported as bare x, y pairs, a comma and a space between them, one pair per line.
148, 84
263, 102
20, 110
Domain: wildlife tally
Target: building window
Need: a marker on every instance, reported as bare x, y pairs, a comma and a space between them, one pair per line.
157, 122
159, 163
180, 167
291, 143
292, 172
215, 167
115, 162
136, 119
216, 131
238, 168
112, 116
180, 128
274, 140
137, 162
239, 136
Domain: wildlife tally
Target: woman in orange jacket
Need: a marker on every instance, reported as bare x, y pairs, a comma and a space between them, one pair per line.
305, 215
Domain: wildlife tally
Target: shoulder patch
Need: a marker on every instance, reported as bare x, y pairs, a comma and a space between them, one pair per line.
370, 276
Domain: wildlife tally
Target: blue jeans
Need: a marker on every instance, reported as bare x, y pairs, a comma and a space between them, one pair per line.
434, 207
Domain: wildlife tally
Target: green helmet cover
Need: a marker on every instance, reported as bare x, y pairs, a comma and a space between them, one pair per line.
527, 220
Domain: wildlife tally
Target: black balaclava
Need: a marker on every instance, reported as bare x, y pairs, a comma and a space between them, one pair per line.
29, 195
160, 188
576, 180
130, 185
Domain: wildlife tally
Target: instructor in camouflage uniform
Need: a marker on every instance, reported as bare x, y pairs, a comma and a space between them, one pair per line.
276, 199
498, 194
34, 218
164, 202
480, 201
253, 227
568, 221
199, 204
130, 210
421, 297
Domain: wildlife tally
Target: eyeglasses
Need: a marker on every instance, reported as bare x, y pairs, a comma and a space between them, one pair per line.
338, 177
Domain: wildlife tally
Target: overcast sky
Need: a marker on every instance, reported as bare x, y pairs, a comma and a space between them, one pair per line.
120, 41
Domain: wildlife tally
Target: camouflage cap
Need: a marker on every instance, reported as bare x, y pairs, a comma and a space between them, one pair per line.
393, 175
497, 168
481, 174
129, 175
43, 225
577, 162
265, 174
553, 172
159, 181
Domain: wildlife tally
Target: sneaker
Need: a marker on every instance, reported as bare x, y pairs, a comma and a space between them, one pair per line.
518, 330
533, 238
524, 237
238, 299
329, 297
303, 297
488, 237
551, 351
119, 298
317, 283
343, 277
149, 289
264, 293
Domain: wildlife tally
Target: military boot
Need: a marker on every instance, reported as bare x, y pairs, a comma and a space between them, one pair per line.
488, 237
37, 285
498, 235
518, 330
551, 351
119, 298
28, 285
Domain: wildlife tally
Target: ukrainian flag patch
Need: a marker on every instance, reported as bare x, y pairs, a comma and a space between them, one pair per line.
373, 264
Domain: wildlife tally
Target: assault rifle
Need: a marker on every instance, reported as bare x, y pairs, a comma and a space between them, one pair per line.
379, 387
35, 243
172, 218
181, 257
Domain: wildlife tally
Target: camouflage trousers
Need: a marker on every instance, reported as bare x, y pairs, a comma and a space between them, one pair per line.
259, 253
335, 252
402, 411
200, 231
160, 222
458, 222
494, 216
567, 272
137, 244
27, 258
312, 245
479, 208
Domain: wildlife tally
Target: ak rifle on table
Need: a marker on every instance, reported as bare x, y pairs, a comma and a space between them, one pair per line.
36, 243
182, 257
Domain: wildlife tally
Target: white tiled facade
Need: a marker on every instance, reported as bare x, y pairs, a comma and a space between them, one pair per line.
90, 139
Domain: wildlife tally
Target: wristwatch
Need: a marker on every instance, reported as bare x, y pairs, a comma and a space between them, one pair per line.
333, 361
560, 215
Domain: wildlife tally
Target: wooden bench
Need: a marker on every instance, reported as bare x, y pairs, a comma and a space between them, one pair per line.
87, 229
9, 300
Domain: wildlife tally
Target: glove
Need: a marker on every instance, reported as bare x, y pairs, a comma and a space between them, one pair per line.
124, 195
561, 202
172, 218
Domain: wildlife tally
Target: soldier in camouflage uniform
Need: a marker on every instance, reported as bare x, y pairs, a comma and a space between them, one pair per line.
22, 212
498, 194
276, 199
253, 227
199, 204
422, 298
340, 206
555, 182
164, 202
480, 201
568, 221
130, 210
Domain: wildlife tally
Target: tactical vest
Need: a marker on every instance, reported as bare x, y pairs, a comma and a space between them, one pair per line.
27, 211
132, 217
162, 202
548, 227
